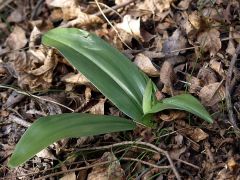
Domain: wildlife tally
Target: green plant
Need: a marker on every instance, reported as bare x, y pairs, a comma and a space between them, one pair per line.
116, 77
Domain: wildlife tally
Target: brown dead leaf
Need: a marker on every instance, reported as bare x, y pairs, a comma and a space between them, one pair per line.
32, 69
45, 153
178, 139
217, 66
108, 171
98, 108
207, 75
172, 115
167, 76
196, 134
145, 64
155, 7
61, 3
212, 94
56, 15
236, 36
210, 41
184, 4
195, 20
232, 164
16, 16
34, 36
73, 78
175, 42
183, 22
17, 39
69, 176
49, 64
131, 26
176, 152
195, 83
83, 19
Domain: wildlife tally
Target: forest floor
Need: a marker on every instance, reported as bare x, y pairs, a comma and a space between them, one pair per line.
182, 45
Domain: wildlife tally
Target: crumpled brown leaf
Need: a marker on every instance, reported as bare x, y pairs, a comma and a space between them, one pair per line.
131, 26
155, 7
45, 153
167, 77
184, 4
17, 15
98, 108
17, 39
107, 171
60, 3
217, 66
196, 134
210, 41
176, 152
212, 94
172, 115
207, 75
145, 64
195, 83
32, 69
72, 14
73, 78
175, 42
69, 176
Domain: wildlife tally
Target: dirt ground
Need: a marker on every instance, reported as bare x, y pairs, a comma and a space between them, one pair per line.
182, 45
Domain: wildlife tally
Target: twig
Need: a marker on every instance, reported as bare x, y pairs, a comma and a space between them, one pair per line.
36, 11
100, 9
231, 115
189, 164
102, 163
73, 170
19, 121
5, 4
37, 97
145, 162
109, 8
114, 8
143, 144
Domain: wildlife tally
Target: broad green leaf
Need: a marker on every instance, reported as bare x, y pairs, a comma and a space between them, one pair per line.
108, 69
147, 97
47, 130
184, 102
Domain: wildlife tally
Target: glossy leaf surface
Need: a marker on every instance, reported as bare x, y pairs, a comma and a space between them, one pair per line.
47, 130
184, 102
108, 69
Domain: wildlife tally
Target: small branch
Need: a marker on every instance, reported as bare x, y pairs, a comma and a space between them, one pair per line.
34, 96
189, 164
3, 5
73, 170
19, 121
143, 144
228, 85
106, 11
146, 163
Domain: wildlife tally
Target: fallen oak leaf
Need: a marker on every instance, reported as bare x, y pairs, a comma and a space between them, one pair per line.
173, 115
167, 77
131, 26
145, 64
78, 79
17, 39
111, 170
212, 94
210, 41
175, 42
